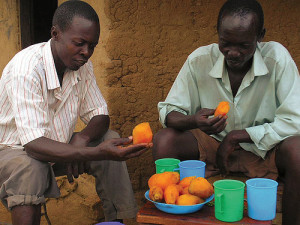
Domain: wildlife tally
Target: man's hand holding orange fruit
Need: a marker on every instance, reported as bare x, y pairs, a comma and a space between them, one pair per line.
212, 121
120, 149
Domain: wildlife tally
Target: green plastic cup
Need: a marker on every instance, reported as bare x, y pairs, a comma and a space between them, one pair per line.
229, 200
166, 164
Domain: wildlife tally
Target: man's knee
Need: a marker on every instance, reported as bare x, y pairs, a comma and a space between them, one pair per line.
288, 153
164, 141
164, 137
35, 172
23, 170
110, 134
28, 168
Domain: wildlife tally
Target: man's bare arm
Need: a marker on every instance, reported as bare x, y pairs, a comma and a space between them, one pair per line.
202, 120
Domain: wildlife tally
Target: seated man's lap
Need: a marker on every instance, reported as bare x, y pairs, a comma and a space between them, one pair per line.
113, 185
239, 161
24, 180
112, 181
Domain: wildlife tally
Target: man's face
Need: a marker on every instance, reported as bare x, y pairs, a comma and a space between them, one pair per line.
237, 40
75, 45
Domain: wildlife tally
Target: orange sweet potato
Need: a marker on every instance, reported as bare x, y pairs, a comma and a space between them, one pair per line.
180, 189
154, 180
222, 109
185, 182
201, 188
142, 133
188, 199
156, 194
171, 194
185, 190
163, 179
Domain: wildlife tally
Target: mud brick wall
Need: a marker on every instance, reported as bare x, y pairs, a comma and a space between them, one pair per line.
148, 42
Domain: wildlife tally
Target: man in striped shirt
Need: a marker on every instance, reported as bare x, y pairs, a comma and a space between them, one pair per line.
44, 89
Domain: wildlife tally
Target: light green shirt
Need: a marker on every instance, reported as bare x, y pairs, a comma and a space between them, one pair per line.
267, 103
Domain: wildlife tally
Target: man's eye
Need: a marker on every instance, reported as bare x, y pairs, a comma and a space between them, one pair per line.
245, 46
92, 46
79, 43
224, 44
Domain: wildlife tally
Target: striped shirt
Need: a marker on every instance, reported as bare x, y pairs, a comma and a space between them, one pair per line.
33, 104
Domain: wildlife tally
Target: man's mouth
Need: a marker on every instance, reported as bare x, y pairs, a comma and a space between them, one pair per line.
81, 62
233, 62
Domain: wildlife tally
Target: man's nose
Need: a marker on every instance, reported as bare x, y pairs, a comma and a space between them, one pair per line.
85, 50
233, 52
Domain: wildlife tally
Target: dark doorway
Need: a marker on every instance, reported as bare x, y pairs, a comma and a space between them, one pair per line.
35, 20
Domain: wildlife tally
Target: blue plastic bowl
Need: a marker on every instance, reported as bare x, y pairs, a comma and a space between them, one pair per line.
178, 209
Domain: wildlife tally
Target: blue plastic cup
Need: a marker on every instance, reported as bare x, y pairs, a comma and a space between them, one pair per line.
190, 168
261, 198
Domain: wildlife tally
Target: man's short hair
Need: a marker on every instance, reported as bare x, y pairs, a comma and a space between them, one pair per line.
65, 13
242, 8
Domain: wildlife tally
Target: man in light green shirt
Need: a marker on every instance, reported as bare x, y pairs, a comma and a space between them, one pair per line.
265, 104
261, 82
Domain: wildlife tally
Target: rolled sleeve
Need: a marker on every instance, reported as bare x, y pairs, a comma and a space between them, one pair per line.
263, 140
31, 135
94, 112
93, 103
165, 109
183, 96
257, 133
287, 116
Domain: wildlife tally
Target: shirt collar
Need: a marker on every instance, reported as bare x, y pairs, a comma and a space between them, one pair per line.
218, 68
50, 70
258, 68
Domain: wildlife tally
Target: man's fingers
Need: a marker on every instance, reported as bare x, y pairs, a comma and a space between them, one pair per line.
208, 130
81, 168
69, 173
222, 166
136, 149
214, 126
70, 178
86, 167
223, 169
136, 154
121, 141
221, 127
75, 170
216, 120
220, 122
207, 112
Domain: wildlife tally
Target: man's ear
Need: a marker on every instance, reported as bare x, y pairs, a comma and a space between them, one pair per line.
261, 35
54, 32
